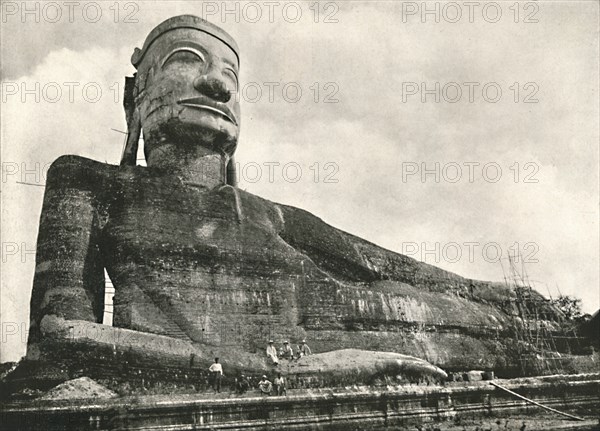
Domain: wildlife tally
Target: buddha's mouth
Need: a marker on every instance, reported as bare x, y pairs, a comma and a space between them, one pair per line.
208, 105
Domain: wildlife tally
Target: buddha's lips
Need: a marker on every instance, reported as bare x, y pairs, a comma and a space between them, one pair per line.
208, 105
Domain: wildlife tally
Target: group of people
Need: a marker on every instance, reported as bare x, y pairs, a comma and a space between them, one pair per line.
286, 351
278, 387
242, 384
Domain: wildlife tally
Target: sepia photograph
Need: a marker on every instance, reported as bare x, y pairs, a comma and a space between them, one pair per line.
303, 215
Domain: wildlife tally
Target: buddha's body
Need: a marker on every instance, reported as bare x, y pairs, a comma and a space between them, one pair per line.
195, 259
222, 267
185, 261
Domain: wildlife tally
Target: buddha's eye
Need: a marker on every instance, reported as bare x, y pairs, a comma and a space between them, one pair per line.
184, 55
232, 76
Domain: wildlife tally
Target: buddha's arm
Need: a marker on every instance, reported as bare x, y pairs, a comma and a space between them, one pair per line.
348, 257
69, 278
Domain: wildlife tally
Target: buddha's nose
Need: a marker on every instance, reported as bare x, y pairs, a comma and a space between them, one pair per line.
212, 87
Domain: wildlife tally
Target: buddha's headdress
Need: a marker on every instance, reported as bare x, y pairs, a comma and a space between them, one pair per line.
184, 21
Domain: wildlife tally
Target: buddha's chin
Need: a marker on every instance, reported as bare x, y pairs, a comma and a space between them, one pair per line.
214, 136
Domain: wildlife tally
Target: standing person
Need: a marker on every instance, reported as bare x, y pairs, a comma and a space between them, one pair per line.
216, 371
272, 353
288, 353
280, 387
305, 349
265, 386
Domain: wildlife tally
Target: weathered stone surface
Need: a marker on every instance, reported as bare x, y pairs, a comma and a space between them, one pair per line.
203, 269
354, 364
228, 270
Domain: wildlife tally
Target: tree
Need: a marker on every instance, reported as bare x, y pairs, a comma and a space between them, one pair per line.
569, 305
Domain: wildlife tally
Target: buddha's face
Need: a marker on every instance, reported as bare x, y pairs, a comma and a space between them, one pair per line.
188, 83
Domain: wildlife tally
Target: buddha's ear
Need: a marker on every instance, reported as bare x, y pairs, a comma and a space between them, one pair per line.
231, 173
134, 123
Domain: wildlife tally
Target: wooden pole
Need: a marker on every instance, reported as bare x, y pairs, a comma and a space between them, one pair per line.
536, 403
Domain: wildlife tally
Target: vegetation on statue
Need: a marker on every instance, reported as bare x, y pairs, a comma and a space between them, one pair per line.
569, 306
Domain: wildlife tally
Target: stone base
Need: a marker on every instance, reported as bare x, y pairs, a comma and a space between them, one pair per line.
451, 407
116, 356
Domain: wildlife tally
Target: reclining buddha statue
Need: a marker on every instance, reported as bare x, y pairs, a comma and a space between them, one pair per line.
202, 269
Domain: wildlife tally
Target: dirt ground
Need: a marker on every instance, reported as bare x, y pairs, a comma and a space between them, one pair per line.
80, 388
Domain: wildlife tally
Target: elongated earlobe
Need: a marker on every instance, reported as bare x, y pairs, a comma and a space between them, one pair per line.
134, 123
231, 173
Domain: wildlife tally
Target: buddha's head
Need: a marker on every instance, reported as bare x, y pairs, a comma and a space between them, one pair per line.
186, 87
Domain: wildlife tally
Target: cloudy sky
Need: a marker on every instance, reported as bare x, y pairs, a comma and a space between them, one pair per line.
449, 137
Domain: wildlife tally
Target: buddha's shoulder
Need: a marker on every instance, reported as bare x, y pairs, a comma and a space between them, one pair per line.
255, 207
280, 215
282, 211
79, 172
